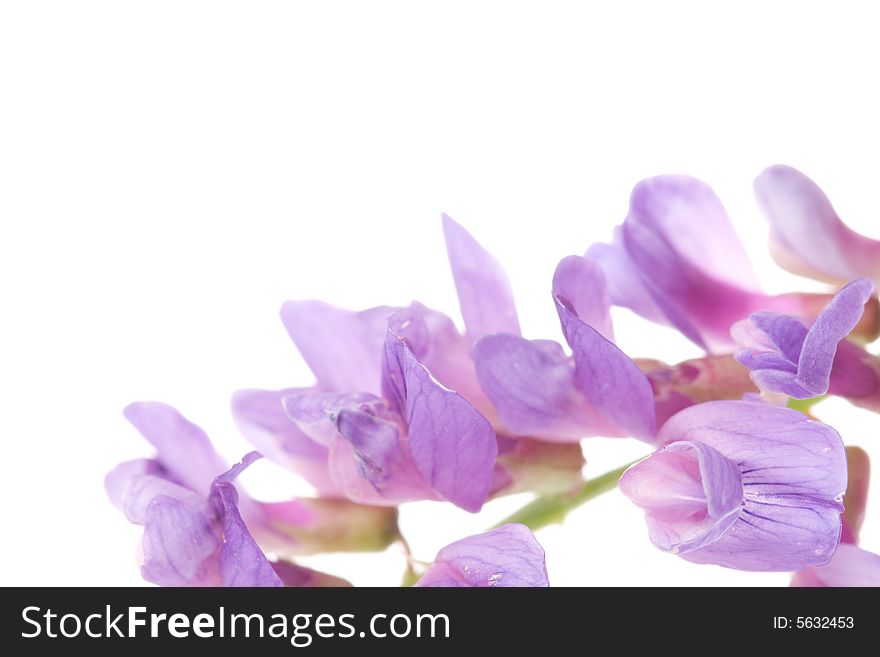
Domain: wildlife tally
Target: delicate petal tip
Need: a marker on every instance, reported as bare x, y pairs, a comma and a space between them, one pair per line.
509, 556
184, 449
484, 291
342, 347
784, 356
807, 236
241, 561
579, 284
832, 325
612, 383
117, 481
687, 225
678, 237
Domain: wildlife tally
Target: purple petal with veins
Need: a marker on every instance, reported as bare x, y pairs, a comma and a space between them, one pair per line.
452, 445
792, 473
509, 556
784, 356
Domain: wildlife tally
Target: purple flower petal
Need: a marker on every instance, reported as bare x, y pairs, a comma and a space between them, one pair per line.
507, 556
434, 340
808, 237
484, 292
118, 479
850, 566
832, 325
793, 478
261, 418
341, 347
532, 385
241, 561
678, 236
381, 457
184, 450
301, 577
784, 356
612, 383
623, 280
690, 492
179, 545
314, 413
452, 445
140, 491
580, 284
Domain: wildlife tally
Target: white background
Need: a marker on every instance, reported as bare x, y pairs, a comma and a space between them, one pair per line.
170, 172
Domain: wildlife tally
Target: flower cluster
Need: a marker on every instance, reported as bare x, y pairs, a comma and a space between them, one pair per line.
407, 407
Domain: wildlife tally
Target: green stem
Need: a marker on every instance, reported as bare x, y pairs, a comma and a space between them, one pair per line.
551, 509
804, 405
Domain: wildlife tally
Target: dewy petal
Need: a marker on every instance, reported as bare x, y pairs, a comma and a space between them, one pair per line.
808, 238
858, 475
452, 445
261, 418
241, 561
691, 495
612, 383
793, 477
507, 556
581, 284
850, 566
832, 325
184, 450
532, 385
483, 289
342, 347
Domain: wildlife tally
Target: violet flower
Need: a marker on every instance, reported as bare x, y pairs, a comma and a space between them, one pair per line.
743, 485
198, 530
393, 385
537, 390
507, 556
807, 237
677, 260
851, 565
783, 355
